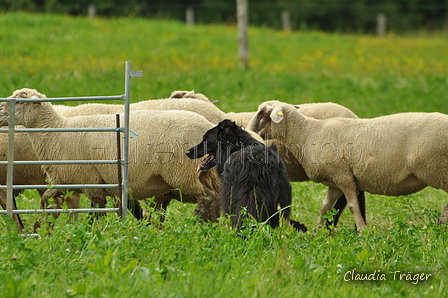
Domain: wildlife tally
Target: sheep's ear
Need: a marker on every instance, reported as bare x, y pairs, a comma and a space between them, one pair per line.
277, 114
297, 107
178, 94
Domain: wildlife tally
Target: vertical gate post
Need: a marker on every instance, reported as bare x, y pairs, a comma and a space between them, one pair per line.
10, 166
127, 99
127, 102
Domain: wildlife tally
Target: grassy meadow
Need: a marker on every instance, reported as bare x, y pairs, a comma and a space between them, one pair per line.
403, 253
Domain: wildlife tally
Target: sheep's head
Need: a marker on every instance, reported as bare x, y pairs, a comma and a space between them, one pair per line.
27, 93
21, 107
191, 94
268, 112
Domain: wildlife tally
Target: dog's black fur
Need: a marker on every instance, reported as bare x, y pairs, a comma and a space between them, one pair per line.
253, 175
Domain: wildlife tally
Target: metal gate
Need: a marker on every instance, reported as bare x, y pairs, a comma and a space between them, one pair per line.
123, 162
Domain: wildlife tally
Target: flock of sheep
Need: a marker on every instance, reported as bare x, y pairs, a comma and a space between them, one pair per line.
323, 142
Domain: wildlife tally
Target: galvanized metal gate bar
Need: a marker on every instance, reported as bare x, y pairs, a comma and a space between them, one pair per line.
58, 129
124, 161
60, 186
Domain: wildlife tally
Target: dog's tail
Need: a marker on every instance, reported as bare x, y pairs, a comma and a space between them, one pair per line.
298, 226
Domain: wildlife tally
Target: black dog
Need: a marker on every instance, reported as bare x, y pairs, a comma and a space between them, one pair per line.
253, 175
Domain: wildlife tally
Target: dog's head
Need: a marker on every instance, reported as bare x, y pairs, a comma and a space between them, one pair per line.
228, 132
216, 142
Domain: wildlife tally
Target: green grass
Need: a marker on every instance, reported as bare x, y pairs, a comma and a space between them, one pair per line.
65, 56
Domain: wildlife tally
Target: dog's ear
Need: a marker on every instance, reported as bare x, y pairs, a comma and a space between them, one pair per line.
227, 130
227, 126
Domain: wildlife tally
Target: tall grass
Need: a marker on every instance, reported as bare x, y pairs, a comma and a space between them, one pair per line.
66, 56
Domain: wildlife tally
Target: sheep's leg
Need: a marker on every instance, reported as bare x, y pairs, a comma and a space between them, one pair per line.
15, 217
362, 205
352, 202
97, 202
73, 202
136, 209
160, 205
340, 205
327, 204
444, 215
57, 195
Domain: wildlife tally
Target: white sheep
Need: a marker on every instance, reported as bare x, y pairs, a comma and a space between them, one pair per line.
393, 155
322, 110
28, 174
157, 155
23, 174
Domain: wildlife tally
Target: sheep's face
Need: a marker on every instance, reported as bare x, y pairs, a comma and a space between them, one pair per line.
19, 113
261, 122
23, 111
22, 108
4, 113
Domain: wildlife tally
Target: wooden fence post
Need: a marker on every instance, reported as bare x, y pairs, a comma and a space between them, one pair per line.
381, 25
189, 16
243, 22
286, 20
91, 11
